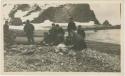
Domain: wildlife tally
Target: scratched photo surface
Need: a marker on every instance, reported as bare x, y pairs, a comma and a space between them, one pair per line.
63, 37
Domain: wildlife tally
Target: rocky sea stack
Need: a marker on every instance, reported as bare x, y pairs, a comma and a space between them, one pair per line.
61, 14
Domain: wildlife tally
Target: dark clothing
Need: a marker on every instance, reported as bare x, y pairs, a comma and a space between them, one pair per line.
30, 38
52, 34
71, 26
52, 30
6, 27
55, 36
9, 35
59, 35
78, 42
46, 38
6, 32
81, 32
60, 30
29, 30
7, 38
79, 45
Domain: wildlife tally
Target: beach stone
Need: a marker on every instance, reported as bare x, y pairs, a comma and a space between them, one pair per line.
72, 53
62, 63
60, 53
61, 47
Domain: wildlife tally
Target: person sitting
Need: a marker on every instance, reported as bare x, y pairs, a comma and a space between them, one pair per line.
78, 45
81, 31
59, 34
71, 27
52, 34
78, 42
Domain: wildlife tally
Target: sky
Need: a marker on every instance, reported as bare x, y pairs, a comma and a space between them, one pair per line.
108, 11
103, 11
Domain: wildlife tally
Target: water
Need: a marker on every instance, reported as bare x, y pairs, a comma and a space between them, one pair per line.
107, 36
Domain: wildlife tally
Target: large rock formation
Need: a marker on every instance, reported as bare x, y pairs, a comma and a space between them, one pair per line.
23, 7
61, 14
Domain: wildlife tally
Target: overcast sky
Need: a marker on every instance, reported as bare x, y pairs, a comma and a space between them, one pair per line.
110, 11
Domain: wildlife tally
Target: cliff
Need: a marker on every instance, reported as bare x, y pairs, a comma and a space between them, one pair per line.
61, 14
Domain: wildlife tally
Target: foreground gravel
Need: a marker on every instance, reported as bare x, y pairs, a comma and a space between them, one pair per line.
38, 58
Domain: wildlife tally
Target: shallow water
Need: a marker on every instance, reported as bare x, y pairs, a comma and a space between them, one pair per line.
108, 36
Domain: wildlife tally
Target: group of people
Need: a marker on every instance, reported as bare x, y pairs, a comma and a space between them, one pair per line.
56, 34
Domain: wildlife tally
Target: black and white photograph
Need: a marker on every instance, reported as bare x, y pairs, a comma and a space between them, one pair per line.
62, 37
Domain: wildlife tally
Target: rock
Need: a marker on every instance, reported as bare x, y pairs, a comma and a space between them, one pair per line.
16, 21
80, 63
24, 51
61, 14
62, 63
40, 48
72, 53
13, 49
14, 46
61, 47
57, 50
106, 23
43, 61
37, 64
60, 53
